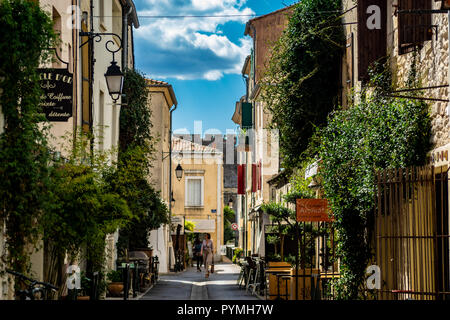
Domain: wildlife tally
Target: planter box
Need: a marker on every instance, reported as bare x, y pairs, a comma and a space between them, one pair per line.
305, 286
274, 268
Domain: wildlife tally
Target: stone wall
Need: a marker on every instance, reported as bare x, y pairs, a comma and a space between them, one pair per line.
432, 66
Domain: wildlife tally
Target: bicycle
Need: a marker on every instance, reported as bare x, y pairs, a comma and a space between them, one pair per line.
36, 290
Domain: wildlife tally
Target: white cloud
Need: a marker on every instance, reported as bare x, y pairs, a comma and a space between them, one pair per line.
190, 48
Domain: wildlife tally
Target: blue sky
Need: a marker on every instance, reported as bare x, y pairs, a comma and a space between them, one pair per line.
201, 57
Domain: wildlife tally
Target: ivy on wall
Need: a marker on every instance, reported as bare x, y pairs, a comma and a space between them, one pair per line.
301, 83
134, 166
26, 32
377, 132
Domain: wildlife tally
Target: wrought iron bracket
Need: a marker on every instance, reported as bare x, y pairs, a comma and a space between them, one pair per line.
98, 37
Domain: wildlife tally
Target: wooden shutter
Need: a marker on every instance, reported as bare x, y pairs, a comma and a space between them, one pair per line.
259, 175
372, 42
241, 179
247, 115
254, 178
413, 29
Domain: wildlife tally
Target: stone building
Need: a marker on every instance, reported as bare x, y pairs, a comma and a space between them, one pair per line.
198, 195
91, 108
162, 102
410, 33
258, 147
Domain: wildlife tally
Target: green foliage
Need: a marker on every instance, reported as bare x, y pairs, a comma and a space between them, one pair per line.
83, 210
284, 225
26, 32
229, 219
131, 179
299, 185
114, 276
376, 133
237, 255
302, 79
189, 225
135, 116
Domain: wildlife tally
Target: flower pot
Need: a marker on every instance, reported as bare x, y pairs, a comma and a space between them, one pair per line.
115, 288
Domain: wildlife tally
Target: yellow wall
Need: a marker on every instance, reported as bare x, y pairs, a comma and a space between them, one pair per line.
212, 172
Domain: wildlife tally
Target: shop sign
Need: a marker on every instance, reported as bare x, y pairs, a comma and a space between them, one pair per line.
57, 95
313, 210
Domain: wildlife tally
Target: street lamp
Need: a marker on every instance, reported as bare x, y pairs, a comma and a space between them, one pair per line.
114, 80
179, 172
230, 203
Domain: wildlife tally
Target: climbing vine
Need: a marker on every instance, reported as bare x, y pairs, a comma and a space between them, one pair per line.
301, 83
377, 132
130, 179
26, 32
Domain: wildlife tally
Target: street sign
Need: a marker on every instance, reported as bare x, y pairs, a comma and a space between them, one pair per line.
313, 210
234, 226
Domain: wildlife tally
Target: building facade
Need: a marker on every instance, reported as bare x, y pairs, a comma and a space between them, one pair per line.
258, 154
198, 195
83, 64
162, 102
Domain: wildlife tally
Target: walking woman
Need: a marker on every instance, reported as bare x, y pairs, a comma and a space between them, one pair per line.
207, 252
198, 253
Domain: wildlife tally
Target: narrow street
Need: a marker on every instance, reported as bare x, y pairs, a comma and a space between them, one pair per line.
192, 285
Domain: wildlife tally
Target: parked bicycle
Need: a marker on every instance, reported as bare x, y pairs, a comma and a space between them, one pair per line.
35, 290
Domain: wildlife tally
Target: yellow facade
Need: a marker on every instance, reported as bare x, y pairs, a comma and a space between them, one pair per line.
201, 166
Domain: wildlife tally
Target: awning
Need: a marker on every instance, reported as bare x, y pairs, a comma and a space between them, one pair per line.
254, 212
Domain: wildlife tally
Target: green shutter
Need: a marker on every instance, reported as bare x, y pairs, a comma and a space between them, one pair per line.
247, 121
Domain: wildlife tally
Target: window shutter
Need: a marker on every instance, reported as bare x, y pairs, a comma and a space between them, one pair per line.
372, 34
247, 116
259, 175
254, 178
413, 29
241, 179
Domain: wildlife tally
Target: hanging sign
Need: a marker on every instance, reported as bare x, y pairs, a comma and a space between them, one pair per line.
313, 210
372, 34
57, 95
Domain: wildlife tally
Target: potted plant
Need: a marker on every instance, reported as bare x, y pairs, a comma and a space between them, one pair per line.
115, 286
85, 287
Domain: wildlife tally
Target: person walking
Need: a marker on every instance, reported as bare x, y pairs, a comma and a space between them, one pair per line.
198, 253
207, 253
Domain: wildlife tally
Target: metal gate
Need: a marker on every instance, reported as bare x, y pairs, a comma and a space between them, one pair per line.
411, 238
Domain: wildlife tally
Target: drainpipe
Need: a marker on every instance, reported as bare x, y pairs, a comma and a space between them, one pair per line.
126, 11
170, 162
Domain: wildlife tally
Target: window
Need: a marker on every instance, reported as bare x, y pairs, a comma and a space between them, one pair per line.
194, 192
414, 29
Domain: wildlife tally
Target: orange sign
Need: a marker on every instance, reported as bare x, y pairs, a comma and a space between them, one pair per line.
313, 210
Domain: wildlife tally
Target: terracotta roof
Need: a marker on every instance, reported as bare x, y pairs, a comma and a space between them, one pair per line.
179, 145
158, 83
152, 82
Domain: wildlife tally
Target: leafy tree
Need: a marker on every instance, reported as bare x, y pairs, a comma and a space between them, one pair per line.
131, 179
229, 219
375, 133
26, 32
301, 83
83, 210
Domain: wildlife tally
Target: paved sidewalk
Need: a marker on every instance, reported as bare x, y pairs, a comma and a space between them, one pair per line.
192, 285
